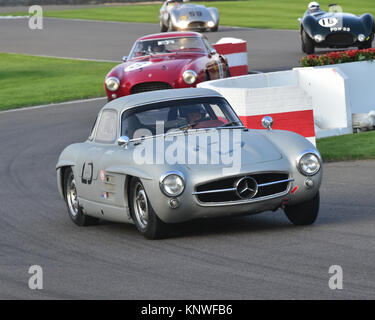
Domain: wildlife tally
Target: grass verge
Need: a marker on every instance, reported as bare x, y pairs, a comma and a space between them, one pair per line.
276, 14
30, 80
357, 146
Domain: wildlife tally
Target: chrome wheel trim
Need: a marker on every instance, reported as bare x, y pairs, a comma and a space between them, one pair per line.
71, 196
140, 206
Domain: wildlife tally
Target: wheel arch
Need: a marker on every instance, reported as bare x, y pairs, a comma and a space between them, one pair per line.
60, 174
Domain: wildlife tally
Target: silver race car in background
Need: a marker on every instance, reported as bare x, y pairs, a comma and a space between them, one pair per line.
175, 15
168, 156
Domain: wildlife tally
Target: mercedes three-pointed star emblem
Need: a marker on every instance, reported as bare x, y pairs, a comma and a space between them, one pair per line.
246, 187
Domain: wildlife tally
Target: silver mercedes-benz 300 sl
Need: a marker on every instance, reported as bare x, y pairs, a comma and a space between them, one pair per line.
164, 157
177, 15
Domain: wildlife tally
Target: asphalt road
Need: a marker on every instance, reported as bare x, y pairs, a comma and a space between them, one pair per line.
255, 257
268, 50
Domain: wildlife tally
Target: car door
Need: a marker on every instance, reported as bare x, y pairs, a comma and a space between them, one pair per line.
88, 162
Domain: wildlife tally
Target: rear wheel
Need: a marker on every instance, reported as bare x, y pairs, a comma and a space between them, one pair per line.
71, 199
305, 213
307, 44
145, 218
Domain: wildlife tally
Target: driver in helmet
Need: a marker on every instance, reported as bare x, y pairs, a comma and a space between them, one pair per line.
193, 114
313, 7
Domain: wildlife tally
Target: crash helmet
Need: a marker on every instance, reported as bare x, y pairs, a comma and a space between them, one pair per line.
313, 6
194, 108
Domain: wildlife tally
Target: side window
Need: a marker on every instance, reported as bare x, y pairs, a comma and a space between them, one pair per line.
107, 128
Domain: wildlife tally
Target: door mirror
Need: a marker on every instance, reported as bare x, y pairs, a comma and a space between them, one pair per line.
124, 58
213, 52
267, 122
123, 141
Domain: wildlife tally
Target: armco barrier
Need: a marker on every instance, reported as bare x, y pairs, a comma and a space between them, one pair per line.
236, 52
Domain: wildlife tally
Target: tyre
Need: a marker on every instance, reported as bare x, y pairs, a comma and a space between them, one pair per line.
307, 44
206, 76
305, 213
214, 29
366, 45
227, 74
144, 217
71, 200
163, 28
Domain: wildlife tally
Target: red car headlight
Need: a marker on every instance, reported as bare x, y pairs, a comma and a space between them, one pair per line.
189, 76
112, 83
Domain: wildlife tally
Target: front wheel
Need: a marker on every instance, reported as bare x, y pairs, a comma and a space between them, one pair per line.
163, 28
366, 45
307, 44
305, 213
144, 217
227, 74
71, 199
214, 29
170, 26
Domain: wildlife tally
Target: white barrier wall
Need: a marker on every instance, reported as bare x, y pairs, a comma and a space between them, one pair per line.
333, 92
360, 84
327, 89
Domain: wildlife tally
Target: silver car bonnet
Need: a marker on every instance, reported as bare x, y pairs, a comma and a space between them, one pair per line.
184, 10
248, 146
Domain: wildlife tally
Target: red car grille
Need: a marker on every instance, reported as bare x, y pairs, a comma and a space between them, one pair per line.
340, 39
149, 86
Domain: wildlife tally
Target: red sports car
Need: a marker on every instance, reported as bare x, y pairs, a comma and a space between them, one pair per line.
165, 61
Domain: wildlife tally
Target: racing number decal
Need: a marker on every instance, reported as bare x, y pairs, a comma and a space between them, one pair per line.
328, 22
87, 172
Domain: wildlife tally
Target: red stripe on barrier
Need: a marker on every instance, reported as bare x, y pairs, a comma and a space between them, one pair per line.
238, 71
301, 122
228, 48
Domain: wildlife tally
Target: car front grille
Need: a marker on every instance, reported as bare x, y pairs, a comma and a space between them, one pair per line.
196, 25
340, 39
149, 86
270, 184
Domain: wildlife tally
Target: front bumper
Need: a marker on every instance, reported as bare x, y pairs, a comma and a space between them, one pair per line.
191, 208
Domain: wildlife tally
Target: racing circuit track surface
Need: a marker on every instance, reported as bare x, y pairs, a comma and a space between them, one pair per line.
261, 256
268, 50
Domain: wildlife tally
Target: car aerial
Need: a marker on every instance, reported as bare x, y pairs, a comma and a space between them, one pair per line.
175, 15
335, 29
165, 61
165, 157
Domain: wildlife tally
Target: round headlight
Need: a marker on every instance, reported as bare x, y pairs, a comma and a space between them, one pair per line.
309, 164
210, 24
112, 83
189, 76
172, 183
318, 38
183, 24
361, 37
